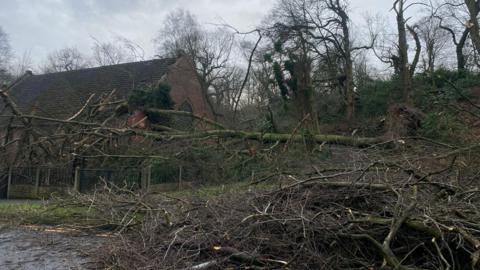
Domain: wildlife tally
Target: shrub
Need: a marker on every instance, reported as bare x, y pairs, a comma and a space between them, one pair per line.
443, 126
151, 97
374, 97
164, 171
444, 87
145, 96
330, 107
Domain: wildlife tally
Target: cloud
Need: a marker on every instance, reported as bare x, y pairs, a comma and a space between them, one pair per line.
47, 25
43, 26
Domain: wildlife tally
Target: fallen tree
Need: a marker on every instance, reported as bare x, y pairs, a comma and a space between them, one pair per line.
223, 133
267, 137
353, 220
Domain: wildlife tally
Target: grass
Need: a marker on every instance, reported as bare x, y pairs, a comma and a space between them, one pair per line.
34, 213
45, 214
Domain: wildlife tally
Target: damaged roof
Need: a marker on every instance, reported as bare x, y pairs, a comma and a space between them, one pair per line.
59, 95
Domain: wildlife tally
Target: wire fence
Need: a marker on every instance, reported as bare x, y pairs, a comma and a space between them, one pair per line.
3, 184
42, 176
25, 181
128, 177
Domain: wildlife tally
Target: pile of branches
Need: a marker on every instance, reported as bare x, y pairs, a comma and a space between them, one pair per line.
352, 219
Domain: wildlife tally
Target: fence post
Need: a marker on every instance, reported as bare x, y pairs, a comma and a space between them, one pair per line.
37, 181
149, 176
76, 183
180, 172
9, 183
47, 181
143, 177
146, 177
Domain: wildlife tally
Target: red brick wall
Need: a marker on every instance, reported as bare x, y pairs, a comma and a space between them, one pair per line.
8, 156
138, 120
186, 87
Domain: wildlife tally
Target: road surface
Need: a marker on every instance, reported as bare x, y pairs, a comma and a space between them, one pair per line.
45, 249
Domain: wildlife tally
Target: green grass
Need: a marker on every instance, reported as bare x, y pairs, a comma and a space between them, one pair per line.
39, 214
44, 214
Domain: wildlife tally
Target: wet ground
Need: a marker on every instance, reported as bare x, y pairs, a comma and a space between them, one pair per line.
46, 249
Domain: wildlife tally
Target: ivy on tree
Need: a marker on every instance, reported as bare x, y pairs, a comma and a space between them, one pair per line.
292, 74
287, 86
153, 97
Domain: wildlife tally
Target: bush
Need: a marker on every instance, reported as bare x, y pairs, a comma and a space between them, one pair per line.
443, 88
145, 96
330, 107
443, 126
152, 97
374, 97
164, 171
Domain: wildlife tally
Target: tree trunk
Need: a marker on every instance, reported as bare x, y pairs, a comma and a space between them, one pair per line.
459, 46
349, 83
418, 51
347, 51
266, 137
461, 61
474, 27
305, 95
405, 78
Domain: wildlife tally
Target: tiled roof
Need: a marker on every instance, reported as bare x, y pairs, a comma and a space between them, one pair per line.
59, 95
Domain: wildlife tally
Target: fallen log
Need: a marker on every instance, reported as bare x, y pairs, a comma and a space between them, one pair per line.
168, 134
234, 134
186, 114
415, 224
266, 137
236, 255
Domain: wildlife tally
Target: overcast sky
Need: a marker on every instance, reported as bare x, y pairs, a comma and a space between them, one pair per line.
41, 26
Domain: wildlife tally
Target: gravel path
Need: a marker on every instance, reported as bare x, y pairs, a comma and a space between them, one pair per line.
24, 249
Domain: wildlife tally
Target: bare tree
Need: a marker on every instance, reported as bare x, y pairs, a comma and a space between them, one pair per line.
226, 90
346, 49
452, 16
405, 69
334, 22
119, 51
5, 55
434, 40
293, 61
394, 50
181, 33
66, 59
131, 48
107, 53
319, 34
22, 64
460, 44
210, 51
